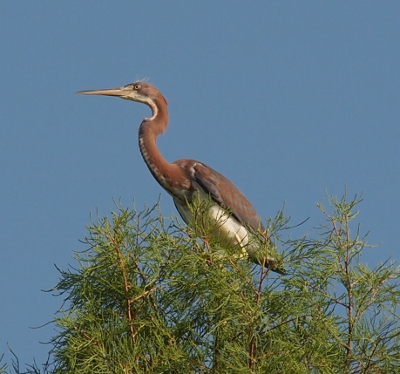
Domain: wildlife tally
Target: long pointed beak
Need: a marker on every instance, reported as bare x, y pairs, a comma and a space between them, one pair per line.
121, 91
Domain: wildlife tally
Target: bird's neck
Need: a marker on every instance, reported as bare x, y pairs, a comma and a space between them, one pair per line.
158, 166
171, 177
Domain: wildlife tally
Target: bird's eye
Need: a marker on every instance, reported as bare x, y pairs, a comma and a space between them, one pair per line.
136, 86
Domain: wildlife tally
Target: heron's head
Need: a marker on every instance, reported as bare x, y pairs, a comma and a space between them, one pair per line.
138, 91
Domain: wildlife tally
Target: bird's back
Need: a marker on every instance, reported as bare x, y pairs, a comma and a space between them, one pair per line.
222, 191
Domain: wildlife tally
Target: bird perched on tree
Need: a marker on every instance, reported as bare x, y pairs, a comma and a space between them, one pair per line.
188, 181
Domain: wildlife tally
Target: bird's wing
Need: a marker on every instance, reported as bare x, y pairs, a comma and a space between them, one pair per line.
226, 194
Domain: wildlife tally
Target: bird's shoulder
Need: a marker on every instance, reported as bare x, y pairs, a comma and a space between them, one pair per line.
221, 190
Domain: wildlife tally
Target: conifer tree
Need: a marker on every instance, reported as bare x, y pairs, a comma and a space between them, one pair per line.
148, 296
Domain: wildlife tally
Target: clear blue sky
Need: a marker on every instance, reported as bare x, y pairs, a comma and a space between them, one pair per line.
287, 99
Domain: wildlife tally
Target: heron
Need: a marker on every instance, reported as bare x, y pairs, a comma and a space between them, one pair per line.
188, 180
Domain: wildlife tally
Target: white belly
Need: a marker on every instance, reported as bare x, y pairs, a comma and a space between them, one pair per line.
227, 226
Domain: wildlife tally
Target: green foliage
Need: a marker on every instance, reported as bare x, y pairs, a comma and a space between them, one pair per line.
149, 297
